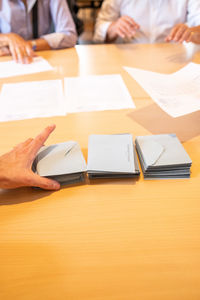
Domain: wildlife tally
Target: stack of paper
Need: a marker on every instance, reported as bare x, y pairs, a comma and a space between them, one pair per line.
62, 162
112, 156
163, 156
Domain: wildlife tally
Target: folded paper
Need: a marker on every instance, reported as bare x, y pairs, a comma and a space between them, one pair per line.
63, 162
163, 156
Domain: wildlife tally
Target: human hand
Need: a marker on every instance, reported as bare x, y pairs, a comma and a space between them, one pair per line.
20, 49
181, 33
124, 27
4, 51
16, 165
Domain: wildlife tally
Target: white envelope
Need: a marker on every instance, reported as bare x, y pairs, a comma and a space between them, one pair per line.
60, 159
162, 150
112, 156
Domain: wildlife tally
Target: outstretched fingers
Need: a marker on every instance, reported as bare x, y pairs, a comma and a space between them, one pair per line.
39, 141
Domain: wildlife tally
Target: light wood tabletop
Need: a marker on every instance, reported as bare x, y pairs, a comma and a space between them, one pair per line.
107, 239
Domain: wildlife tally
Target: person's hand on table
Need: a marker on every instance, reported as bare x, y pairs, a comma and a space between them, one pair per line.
181, 33
4, 50
20, 49
124, 27
16, 165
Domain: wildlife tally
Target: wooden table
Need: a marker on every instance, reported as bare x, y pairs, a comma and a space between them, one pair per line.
111, 239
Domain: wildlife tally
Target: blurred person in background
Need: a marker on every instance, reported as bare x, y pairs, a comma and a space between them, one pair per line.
27, 26
148, 21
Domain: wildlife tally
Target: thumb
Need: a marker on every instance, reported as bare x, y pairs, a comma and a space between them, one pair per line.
43, 183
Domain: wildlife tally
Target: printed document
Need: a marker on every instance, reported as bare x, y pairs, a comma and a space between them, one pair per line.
96, 92
11, 68
34, 99
177, 94
37, 99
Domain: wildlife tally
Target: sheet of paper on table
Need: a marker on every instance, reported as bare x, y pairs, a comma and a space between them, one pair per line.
34, 99
96, 92
11, 68
177, 94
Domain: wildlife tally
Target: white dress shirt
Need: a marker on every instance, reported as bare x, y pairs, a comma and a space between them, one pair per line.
14, 17
155, 17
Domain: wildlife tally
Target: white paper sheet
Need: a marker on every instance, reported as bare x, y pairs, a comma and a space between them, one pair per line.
96, 92
34, 99
177, 94
11, 68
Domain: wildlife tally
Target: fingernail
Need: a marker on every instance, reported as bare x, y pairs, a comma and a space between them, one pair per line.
52, 125
56, 185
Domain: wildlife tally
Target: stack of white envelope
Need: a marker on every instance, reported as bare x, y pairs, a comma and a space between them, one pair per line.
62, 162
112, 156
163, 156
109, 156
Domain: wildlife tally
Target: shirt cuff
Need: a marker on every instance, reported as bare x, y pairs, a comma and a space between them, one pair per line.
101, 32
60, 40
